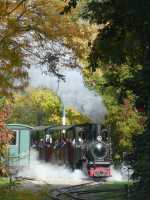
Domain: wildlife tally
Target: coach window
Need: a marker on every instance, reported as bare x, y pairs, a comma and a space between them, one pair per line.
14, 138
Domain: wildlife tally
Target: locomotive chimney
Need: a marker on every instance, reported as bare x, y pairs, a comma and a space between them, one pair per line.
64, 118
98, 129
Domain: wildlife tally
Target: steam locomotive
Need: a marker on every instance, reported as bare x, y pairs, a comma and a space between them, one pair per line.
85, 146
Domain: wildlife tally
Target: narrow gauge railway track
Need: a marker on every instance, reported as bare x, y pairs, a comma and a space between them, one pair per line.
84, 191
29, 179
68, 192
71, 192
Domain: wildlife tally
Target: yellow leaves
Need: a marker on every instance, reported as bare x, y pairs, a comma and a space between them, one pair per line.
62, 27
41, 18
44, 98
75, 117
36, 106
54, 119
42, 106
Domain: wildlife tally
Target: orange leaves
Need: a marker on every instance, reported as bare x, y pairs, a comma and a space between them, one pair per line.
5, 135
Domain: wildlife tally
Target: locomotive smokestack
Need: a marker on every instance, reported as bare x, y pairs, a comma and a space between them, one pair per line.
64, 116
98, 129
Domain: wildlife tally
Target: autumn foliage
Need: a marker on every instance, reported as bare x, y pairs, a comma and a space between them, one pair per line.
5, 137
4, 132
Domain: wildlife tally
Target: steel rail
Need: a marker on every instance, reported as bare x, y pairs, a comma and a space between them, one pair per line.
70, 191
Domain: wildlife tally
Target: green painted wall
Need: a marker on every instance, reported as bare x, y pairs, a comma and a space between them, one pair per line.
24, 141
22, 146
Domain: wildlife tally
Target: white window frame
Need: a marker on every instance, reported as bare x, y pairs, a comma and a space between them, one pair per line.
17, 138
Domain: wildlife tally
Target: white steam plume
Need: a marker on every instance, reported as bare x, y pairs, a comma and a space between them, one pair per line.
53, 174
72, 92
123, 173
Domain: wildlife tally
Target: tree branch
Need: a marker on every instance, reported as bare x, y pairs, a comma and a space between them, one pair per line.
18, 5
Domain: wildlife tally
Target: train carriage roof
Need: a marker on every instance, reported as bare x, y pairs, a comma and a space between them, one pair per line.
65, 127
20, 126
53, 128
40, 128
58, 128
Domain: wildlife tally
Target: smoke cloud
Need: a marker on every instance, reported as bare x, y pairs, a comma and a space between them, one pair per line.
51, 59
124, 173
53, 174
72, 92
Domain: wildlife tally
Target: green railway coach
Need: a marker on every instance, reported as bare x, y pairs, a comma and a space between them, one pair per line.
19, 148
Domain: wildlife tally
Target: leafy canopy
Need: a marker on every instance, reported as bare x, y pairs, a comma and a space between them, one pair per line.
26, 22
125, 39
122, 118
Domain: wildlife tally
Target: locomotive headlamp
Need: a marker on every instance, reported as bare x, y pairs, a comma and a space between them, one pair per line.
99, 146
99, 150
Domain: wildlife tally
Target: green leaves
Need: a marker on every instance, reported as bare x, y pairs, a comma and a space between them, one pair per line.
75, 117
123, 46
122, 116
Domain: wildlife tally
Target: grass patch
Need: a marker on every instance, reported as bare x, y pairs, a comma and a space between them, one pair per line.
4, 181
9, 194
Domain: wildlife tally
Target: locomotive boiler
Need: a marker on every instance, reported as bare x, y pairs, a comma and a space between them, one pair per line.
85, 146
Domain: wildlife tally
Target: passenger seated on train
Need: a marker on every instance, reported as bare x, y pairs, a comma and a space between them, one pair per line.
41, 149
49, 139
59, 144
35, 144
56, 144
62, 143
41, 143
78, 140
73, 142
47, 143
